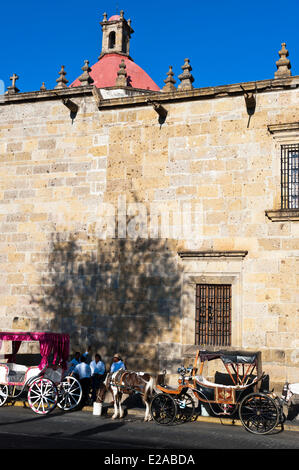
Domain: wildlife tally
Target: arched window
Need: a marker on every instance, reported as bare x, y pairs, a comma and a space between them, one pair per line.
112, 40
125, 43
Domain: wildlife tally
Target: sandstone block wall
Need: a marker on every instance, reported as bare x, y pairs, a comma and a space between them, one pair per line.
136, 296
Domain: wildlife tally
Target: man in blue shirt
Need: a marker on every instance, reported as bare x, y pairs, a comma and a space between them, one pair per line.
75, 361
83, 372
117, 364
97, 374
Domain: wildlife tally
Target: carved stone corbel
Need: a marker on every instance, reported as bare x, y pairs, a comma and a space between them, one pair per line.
250, 102
160, 110
73, 107
97, 96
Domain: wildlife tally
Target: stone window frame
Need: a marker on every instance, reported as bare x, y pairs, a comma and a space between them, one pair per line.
211, 268
283, 134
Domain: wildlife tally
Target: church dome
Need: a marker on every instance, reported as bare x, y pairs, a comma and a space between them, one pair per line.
115, 49
114, 18
104, 73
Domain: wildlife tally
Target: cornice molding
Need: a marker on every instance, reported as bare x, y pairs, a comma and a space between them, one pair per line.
283, 215
240, 254
174, 96
286, 127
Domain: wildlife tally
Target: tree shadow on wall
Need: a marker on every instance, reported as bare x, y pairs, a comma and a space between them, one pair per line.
120, 296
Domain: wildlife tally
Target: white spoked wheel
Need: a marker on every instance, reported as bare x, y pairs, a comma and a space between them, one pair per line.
69, 393
3, 394
42, 396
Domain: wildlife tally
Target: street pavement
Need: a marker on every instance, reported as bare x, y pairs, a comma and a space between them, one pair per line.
20, 428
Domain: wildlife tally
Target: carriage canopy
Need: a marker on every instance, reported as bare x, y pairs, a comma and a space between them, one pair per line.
230, 357
57, 344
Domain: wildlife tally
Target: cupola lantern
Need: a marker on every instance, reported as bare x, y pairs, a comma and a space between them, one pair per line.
116, 35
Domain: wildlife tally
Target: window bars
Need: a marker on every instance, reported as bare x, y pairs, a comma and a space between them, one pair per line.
290, 176
213, 314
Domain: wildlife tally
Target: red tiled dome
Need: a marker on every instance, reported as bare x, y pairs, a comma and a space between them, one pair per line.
114, 18
104, 73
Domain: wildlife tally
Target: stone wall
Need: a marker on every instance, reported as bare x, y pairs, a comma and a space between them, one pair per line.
136, 297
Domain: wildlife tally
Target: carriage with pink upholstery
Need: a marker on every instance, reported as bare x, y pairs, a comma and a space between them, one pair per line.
43, 386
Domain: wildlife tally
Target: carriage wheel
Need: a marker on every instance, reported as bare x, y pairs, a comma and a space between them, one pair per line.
163, 409
185, 407
69, 393
259, 413
3, 394
42, 396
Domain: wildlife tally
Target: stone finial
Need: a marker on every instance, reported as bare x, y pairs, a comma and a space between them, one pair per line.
121, 79
169, 81
121, 13
283, 64
43, 87
61, 81
105, 16
12, 89
85, 78
186, 77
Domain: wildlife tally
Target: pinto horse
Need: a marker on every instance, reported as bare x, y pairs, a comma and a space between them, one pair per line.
127, 382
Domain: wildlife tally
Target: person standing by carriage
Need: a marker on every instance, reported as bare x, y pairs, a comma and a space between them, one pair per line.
117, 364
98, 370
74, 362
83, 372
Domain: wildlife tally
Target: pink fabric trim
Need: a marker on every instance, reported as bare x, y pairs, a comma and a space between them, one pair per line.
56, 343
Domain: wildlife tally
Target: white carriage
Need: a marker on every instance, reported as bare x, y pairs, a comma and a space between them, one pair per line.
43, 386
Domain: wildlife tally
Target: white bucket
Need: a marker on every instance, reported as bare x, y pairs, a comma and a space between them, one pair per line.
204, 411
97, 409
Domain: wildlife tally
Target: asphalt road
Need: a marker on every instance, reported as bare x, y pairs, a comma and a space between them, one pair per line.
21, 429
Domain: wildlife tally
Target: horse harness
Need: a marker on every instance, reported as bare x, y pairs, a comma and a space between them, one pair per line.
119, 381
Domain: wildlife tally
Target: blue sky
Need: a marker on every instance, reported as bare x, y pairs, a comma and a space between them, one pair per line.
226, 42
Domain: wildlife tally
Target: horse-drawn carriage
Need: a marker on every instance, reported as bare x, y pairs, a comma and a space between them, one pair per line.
259, 411
44, 385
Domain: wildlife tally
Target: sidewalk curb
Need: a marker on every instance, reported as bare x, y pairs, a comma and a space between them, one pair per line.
133, 412
204, 419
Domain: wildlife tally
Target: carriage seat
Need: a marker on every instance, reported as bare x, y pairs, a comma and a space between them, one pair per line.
16, 372
202, 380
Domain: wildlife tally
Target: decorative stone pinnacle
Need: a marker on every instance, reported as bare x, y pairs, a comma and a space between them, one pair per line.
85, 78
169, 81
12, 89
121, 79
121, 14
283, 64
186, 77
61, 81
43, 87
105, 16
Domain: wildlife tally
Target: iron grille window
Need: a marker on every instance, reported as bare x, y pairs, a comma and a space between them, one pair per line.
290, 176
213, 314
